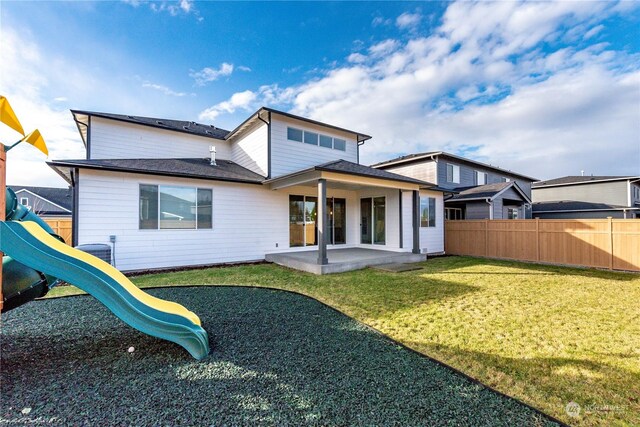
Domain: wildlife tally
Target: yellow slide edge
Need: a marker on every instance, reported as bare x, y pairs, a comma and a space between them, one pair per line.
159, 304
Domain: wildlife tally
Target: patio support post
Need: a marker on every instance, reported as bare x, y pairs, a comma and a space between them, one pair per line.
322, 222
416, 222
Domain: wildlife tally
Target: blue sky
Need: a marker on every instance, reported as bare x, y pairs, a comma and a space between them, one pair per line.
546, 89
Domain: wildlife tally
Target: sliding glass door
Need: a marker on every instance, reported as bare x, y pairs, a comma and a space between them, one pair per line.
372, 220
303, 228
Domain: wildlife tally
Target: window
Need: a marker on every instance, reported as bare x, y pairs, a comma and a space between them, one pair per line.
310, 138
24, 201
453, 213
427, 212
504, 179
173, 207
313, 138
373, 221
512, 213
453, 173
481, 178
326, 141
303, 228
294, 134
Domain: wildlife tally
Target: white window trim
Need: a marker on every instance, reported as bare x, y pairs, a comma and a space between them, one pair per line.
333, 139
479, 174
454, 168
176, 229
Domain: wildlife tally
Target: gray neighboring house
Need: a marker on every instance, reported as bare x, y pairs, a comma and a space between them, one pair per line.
576, 197
46, 201
475, 190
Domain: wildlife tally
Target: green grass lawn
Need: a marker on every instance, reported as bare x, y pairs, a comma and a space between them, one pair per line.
545, 335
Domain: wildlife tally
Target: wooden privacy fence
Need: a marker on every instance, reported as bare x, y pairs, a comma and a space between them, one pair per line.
602, 243
61, 226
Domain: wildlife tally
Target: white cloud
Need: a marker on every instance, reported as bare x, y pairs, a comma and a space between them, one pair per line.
238, 101
383, 48
164, 89
483, 80
356, 58
408, 20
209, 74
244, 68
379, 20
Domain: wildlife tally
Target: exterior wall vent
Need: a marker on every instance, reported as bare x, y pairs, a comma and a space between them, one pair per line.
212, 153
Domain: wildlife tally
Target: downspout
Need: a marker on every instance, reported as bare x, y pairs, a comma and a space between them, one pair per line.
268, 123
490, 208
75, 181
359, 143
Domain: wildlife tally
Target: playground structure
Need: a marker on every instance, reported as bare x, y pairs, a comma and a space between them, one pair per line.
35, 260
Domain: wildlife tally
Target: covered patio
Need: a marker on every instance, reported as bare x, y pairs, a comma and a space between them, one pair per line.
341, 260
375, 223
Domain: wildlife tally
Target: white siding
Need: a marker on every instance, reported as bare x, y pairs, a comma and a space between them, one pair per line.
111, 139
290, 156
251, 151
248, 221
432, 238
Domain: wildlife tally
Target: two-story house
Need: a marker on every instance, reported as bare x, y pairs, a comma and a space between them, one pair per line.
173, 193
477, 190
47, 202
575, 197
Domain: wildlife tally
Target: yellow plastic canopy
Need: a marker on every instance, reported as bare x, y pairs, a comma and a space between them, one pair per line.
8, 117
35, 139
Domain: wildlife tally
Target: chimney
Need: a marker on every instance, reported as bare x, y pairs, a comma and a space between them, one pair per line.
212, 152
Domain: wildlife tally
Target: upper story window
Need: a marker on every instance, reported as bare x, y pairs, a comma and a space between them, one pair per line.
481, 178
453, 173
504, 179
294, 134
173, 207
427, 212
313, 138
24, 201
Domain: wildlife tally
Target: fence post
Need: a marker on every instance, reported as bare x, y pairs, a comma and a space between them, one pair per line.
486, 237
610, 219
538, 239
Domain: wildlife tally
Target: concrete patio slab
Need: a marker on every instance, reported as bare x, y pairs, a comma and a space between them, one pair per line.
341, 260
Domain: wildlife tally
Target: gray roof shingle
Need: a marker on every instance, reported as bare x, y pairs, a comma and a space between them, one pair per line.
60, 196
225, 170
481, 191
194, 128
344, 166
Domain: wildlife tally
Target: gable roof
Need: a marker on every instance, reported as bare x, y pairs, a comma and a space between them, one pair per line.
193, 128
571, 180
225, 170
573, 205
350, 168
417, 157
62, 197
488, 191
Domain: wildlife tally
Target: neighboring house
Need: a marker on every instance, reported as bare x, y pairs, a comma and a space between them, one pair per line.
46, 201
587, 197
152, 185
477, 190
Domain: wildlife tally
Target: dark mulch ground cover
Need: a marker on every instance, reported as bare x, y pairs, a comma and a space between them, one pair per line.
278, 359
